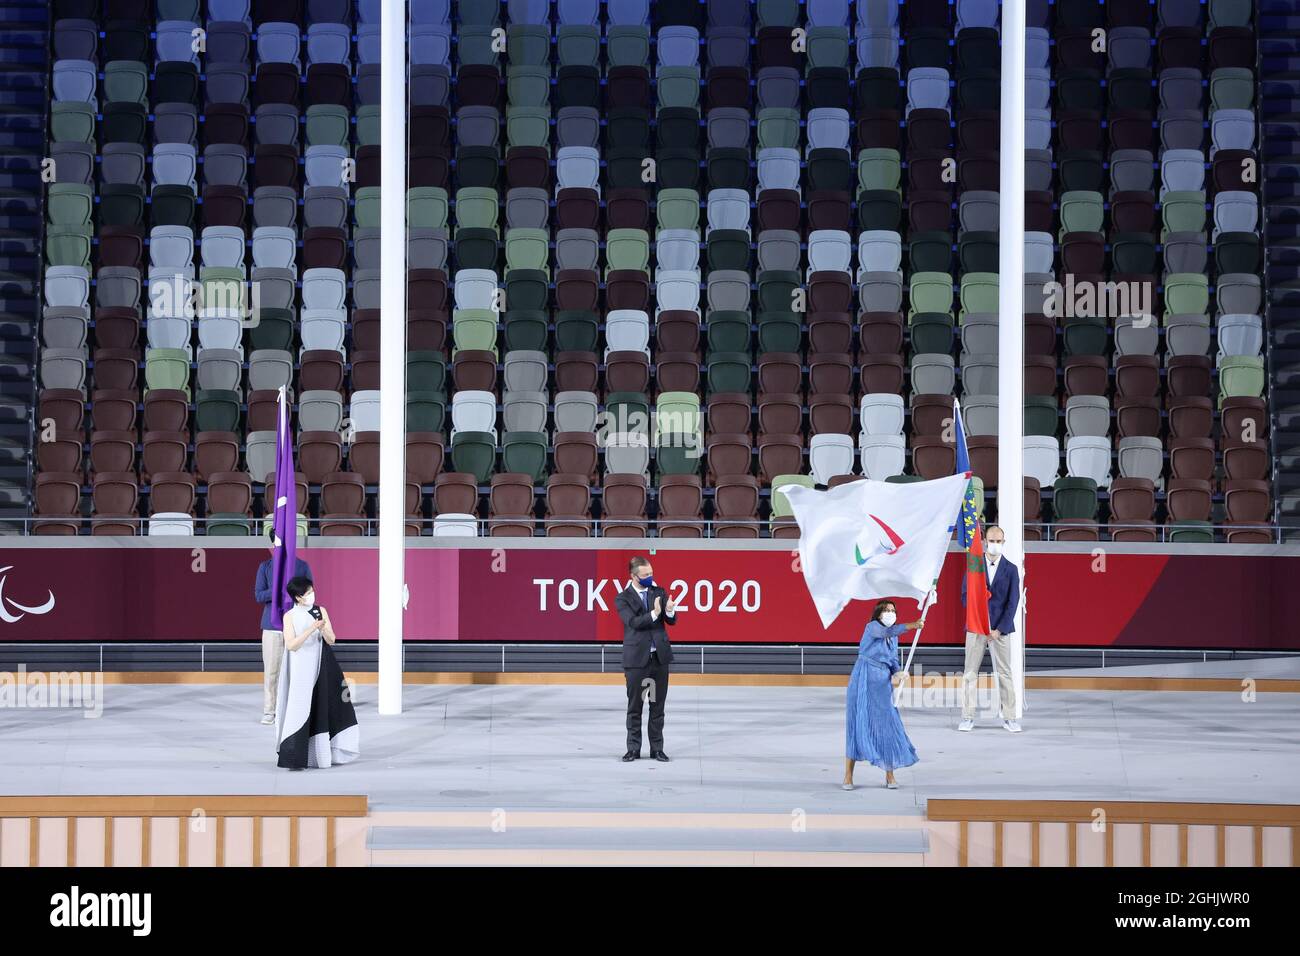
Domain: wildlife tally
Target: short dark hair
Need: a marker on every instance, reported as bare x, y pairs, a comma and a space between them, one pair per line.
298, 586
880, 608
270, 532
639, 561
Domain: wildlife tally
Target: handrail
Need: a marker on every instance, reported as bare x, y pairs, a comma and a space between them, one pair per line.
596, 526
184, 809
1267, 305
38, 281
1116, 811
223, 805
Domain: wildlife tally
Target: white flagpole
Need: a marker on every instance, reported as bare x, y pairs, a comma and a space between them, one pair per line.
392, 350
1011, 322
916, 636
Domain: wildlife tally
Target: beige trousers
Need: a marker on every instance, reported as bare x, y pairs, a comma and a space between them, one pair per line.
1001, 651
272, 655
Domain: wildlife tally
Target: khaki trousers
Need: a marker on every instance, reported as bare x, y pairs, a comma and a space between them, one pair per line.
1001, 651
272, 655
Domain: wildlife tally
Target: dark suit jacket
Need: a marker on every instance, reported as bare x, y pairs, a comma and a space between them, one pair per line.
262, 590
638, 629
1004, 597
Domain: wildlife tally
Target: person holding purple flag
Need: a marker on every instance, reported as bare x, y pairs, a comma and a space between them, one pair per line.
272, 635
275, 573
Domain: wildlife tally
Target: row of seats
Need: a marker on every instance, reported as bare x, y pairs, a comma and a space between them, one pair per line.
575, 285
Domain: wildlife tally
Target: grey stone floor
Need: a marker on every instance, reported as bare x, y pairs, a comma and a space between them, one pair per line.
733, 749
1272, 668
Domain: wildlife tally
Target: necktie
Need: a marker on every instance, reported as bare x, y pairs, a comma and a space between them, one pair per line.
645, 600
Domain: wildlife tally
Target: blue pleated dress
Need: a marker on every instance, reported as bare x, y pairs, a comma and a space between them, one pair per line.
873, 726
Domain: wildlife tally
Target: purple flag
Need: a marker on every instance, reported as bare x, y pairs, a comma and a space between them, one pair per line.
285, 517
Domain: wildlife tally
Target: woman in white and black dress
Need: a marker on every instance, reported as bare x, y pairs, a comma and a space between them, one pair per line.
316, 725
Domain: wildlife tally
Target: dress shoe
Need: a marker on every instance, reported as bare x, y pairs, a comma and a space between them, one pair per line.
630, 756
659, 755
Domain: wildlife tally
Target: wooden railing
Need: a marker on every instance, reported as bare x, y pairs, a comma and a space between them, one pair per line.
1112, 833
175, 830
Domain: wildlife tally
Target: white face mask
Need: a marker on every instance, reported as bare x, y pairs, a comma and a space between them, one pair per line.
309, 600
888, 618
995, 549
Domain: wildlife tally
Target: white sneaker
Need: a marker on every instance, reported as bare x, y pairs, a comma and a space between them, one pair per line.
966, 725
1011, 726
268, 718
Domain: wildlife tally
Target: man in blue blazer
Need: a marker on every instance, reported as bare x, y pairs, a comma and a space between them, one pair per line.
1004, 598
272, 635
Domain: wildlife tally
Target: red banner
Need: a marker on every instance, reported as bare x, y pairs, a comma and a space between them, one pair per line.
724, 596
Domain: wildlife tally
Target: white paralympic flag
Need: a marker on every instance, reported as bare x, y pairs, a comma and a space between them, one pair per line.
873, 539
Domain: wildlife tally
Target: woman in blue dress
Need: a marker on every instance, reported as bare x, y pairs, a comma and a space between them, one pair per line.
873, 727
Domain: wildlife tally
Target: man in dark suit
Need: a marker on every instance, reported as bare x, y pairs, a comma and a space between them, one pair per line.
1004, 598
645, 608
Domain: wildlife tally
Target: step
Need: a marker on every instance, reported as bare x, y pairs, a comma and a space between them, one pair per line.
1286, 127
1279, 86
25, 36
16, 242
1286, 337
431, 846
1280, 61
28, 139
19, 202
17, 368
1280, 46
21, 76
13, 500
30, 54
21, 350
1281, 22
14, 160
28, 223
15, 443
12, 286
476, 837
1277, 188
12, 410
32, 99
17, 302
40, 11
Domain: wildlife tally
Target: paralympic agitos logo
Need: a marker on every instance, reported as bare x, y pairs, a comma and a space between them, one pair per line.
6, 603
877, 538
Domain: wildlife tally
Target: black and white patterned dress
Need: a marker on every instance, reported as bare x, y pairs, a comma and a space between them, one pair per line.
316, 725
